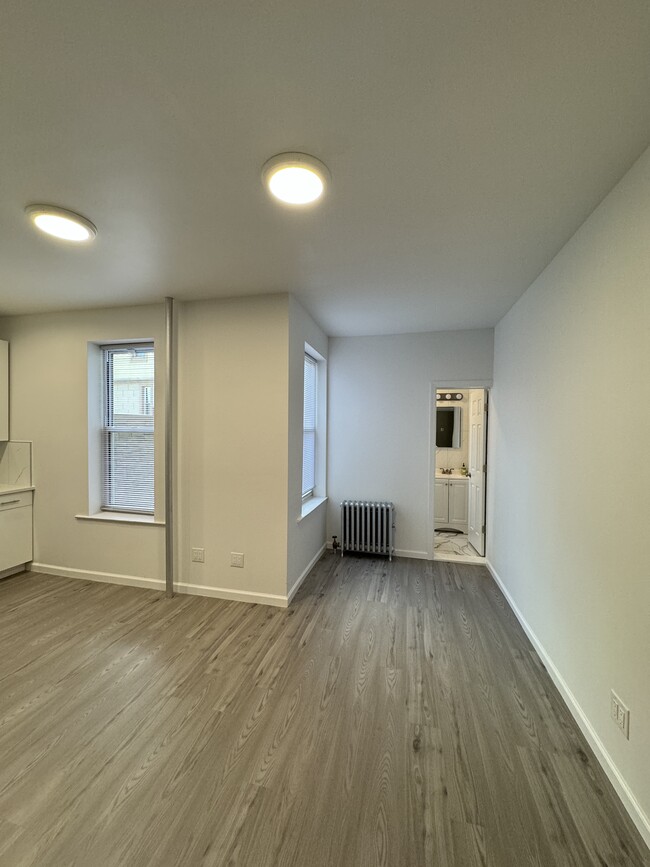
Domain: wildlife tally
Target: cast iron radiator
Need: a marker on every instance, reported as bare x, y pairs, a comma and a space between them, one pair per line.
367, 527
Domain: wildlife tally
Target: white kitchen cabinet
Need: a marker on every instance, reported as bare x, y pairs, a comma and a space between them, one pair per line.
4, 391
450, 499
15, 529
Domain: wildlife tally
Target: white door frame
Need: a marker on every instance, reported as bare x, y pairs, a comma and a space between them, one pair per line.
477, 465
444, 385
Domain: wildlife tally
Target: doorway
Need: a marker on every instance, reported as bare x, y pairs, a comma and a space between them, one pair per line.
458, 473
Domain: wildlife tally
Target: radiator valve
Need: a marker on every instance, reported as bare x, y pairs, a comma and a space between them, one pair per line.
335, 543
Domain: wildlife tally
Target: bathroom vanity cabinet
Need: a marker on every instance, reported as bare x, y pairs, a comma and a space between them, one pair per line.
451, 497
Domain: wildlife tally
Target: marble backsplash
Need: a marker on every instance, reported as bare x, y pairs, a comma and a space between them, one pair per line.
16, 464
451, 459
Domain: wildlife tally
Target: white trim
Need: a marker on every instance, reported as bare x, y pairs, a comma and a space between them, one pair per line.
398, 552
310, 506
616, 778
453, 558
305, 572
319, 490
102, 577
233, 595
159, 584
122, 518
415, 555
463, 385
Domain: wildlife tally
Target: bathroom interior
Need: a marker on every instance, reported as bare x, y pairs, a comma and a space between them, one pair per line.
452, 478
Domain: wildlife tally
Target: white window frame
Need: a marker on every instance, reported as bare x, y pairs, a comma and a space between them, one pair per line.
108, 427
310, 426
311, 501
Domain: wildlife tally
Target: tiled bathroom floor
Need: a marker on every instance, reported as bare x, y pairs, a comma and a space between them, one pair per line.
454, 546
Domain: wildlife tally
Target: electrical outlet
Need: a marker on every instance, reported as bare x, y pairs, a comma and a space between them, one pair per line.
198, 555
237, 559
620, 714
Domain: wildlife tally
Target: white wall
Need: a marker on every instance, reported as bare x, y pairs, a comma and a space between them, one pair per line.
379, 419
232, 441
49, 405
238, 444
306, 536
567, 522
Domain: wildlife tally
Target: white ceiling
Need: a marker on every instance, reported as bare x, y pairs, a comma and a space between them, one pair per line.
467, 141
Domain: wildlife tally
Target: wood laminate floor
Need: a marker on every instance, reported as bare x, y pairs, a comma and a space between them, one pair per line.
394, 715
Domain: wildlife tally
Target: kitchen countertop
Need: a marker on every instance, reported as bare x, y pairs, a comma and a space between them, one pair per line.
14, 489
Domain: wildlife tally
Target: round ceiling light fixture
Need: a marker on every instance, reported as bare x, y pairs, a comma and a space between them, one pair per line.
295, 179
61, 223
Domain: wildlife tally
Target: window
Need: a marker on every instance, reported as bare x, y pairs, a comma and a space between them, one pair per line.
128, 428
309, 427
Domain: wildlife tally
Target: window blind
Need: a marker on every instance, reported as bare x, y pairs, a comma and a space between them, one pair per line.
309, 427
128, 428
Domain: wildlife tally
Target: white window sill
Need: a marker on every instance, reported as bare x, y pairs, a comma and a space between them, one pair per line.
310, 506
121, 518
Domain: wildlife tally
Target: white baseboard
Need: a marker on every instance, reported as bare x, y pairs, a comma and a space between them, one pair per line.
233, 595
305, 573
636, 812
398, 552
104, 577
470, 561
158, 584
416, 555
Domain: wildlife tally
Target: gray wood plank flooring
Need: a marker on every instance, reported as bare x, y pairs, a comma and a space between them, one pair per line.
394, 715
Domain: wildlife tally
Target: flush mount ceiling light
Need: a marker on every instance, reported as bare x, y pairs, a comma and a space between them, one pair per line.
295, 179
61, 223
